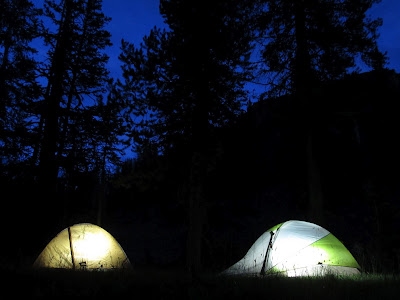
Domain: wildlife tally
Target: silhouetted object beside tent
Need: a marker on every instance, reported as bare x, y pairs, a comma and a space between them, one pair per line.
296, 248
83, 246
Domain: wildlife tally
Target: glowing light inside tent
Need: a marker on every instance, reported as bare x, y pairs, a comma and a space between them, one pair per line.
306, 257
93, 247
289, 247
312, 256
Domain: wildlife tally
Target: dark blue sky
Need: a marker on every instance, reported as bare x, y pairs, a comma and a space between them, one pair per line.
131, 20
389, 11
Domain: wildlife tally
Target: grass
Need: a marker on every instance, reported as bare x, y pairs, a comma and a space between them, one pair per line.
161, 284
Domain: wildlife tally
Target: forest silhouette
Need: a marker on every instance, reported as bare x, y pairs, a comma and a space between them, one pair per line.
215, 166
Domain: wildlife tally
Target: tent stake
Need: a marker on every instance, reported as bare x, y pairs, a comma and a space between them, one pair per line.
72, 249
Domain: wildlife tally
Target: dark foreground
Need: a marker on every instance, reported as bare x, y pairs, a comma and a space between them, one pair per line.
156, 284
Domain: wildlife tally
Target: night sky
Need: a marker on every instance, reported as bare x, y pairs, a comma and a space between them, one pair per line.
132, 20
389, 11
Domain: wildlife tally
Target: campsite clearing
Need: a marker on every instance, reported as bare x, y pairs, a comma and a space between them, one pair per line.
173, 284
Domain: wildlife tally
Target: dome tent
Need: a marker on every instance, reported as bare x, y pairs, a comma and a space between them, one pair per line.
296, 248
83, 246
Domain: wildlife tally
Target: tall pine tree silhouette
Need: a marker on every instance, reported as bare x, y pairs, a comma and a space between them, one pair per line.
76, 80
19, 25
183, 83
307, 42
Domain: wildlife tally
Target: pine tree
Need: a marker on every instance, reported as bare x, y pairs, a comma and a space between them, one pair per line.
19, 25
76, 80
306, 42
184, 83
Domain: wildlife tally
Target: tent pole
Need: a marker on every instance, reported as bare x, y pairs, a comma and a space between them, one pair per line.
71, 248
262, 273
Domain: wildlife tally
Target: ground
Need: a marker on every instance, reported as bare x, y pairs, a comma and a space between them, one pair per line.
174, 284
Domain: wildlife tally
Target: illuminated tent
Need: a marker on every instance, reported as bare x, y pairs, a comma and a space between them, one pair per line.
83, 246
296, 248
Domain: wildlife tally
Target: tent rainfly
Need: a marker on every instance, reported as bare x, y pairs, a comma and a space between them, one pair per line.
83, 246
296, 248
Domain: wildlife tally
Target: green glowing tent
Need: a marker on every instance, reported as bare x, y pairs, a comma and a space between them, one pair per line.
296, 248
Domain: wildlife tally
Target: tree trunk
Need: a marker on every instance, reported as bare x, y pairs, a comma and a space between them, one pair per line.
198, 173
64, 127
302, 64
101, 197
303, 81
48, 162
196, 214
3, 74
315, 194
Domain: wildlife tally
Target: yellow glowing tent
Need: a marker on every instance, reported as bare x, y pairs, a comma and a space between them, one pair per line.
83, 246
